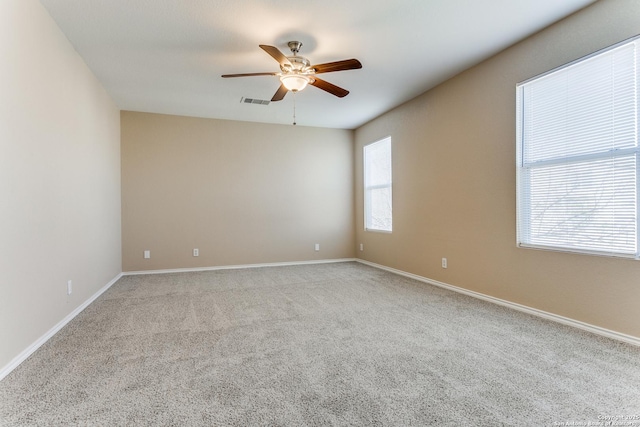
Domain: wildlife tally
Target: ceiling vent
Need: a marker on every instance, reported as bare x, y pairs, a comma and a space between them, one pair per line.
254, 101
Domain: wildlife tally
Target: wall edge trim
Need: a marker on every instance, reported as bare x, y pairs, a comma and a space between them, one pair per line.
618, 336
236, 267
24, 355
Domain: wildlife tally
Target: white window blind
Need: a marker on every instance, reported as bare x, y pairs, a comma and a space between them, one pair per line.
577, 156
377, 186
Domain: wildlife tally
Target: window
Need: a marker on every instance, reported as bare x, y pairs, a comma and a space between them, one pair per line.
577, 155
377, 186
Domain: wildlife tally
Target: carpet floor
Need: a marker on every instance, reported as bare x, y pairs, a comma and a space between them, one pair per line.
327, 344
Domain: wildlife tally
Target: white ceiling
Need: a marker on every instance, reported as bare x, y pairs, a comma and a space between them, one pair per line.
166, 56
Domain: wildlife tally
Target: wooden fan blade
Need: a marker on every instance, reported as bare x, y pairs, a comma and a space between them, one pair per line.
280, 93
330, 87
249, 74
347, 64
275, 54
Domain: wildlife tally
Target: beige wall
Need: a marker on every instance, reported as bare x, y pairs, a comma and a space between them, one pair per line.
59, 178
242, 193
454, 184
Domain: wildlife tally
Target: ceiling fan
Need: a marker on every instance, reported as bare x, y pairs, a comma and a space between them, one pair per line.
297, 72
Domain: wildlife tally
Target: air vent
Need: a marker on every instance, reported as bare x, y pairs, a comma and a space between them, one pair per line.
254, 101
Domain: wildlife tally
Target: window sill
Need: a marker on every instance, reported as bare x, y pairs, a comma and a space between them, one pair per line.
578, 251
373, 230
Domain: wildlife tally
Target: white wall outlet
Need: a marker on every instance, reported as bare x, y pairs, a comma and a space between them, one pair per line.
361, 247
196, 252
317, 247
69, 287
147, 254
444, 263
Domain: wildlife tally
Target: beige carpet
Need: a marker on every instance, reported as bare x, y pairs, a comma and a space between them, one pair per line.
334, 344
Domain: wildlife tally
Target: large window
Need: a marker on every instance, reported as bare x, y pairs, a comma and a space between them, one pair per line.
577, 155
377, 186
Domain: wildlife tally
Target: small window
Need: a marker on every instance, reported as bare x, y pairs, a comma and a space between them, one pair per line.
377, 186
577, 155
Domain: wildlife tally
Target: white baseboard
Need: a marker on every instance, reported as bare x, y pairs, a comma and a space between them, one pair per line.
240, 266
629, 339
33, 347
40, 341
533, 311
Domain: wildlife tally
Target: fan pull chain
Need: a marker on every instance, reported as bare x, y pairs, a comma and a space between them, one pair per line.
294, 108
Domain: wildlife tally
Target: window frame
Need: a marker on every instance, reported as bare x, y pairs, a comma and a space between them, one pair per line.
523, 191
369, 188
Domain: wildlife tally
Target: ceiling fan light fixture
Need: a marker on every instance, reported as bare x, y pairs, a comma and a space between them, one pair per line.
296, 72
295, 82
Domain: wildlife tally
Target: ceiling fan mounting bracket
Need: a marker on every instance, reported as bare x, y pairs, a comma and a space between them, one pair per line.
294, 46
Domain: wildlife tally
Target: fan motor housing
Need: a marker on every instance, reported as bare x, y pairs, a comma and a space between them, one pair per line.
298, 63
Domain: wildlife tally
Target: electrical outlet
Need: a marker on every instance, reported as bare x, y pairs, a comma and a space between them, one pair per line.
444, 263
69, 287
196, 252
317, 247
361, 247
147, 254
